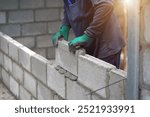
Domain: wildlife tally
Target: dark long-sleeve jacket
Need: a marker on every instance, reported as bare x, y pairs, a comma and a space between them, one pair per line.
95, 18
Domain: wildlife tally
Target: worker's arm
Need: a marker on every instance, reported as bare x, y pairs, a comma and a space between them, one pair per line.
103, 11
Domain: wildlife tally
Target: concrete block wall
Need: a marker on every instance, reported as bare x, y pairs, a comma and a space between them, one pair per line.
31, 76
145, 51
32, 23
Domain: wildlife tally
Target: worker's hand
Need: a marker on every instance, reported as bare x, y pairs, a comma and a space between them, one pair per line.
63, 32
83, 41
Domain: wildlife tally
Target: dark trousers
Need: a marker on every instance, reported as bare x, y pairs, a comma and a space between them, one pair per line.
113, 59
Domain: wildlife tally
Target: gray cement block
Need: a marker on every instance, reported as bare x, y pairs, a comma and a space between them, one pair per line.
117, 91
44, 93
17, 73
117, 88
1, 58
55, 80
6, 78
145, 94
7, 63
25, 57
76, 91
46, 14
8, 4
41, 51
95, 96
147, 23
12, 30
30, 83
14, 50
39, 67
65, 58
24, 94
27, 41
14, 87
2, 17
44, 41
54, 3
93, 73
4, 41
34, 29
22, 16
31, 4
51, 53
146, 66
57, 97
54, 27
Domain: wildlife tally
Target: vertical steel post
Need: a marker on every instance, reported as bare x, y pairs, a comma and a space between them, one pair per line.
133, 49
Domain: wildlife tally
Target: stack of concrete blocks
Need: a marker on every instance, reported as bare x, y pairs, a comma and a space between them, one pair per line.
73, 76
145, 50
32, 23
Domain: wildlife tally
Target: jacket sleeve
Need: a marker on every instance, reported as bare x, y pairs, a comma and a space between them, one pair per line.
65, 20
103, 11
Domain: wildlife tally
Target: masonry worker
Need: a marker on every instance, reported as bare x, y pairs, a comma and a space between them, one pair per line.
96, 29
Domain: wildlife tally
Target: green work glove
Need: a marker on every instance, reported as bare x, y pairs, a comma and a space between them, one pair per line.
83, 40
63, 32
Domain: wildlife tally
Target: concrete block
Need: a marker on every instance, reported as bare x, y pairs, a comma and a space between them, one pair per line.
46, 14
51, 53
39, 67
61, 14
34, 29
147, 23
146, 66
54, 3
57, 97
117, 86
65, 58
44, 41
44, 93
1, 58
24, 94
53, 27
27, 41
145, 94
25, 57
6, 78
12, 30
41, 51
2, 17
8, 4
8, 64
93, 73
117, 75
55, 80
117, 91
17, 73
95, 96
22, 16
30, 83
76, 91
31, 4
14, 50
14, 87
4, 40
